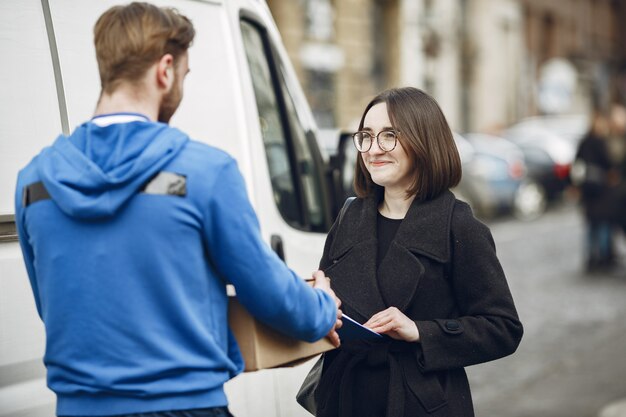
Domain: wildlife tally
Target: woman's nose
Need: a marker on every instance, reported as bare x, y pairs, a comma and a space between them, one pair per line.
375, 148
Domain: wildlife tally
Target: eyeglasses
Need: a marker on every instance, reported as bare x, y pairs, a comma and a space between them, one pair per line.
386, 139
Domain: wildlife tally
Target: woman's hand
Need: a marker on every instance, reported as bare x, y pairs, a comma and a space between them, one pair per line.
395, 324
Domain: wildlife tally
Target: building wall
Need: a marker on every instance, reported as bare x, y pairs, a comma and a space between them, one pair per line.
442, 77
585, 32
481, 59
356, 84
411, 63
344, 86
372, 40
289, 17
496, 30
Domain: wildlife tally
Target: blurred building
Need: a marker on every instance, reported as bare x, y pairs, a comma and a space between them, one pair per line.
589, 34
488, 63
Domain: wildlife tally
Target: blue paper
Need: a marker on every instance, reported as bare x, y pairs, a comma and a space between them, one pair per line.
352, 330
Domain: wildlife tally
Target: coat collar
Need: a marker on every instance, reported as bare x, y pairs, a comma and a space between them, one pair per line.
369, 288
425, 230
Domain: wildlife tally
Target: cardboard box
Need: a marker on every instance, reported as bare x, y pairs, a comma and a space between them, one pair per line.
263, 347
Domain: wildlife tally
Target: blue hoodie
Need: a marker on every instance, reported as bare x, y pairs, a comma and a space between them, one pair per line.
130, 279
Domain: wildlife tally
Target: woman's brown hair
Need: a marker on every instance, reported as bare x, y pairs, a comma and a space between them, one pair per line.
426, 138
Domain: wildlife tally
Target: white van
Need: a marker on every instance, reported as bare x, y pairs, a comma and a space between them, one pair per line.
241, 95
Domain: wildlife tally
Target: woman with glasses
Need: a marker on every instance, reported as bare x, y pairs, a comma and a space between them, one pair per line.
412, 263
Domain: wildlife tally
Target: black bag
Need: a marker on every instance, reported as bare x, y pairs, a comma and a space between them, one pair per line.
306, 394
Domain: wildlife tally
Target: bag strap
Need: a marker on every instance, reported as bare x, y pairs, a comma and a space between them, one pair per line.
344, 209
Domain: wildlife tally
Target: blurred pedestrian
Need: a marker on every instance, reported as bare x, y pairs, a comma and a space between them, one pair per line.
595, 176
411, 262
618, 135
130, 232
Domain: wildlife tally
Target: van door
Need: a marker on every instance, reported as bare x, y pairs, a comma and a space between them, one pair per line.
296, 208
294, 213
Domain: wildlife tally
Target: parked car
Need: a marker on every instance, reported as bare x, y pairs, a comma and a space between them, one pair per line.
549, 156
529, 199
340, 156
498, 180
570, 127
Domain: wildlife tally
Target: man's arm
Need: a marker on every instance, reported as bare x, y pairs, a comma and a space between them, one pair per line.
264, 284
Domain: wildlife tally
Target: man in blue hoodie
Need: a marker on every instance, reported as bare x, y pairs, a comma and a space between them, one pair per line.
130, 232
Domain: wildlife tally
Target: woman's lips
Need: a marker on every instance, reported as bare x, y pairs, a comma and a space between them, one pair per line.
378, 163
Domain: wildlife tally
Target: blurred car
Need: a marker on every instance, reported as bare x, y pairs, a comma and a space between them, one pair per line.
495, 178
549, 156
570, 127
340, 156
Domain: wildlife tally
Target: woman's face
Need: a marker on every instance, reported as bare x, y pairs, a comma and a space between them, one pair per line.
391, 170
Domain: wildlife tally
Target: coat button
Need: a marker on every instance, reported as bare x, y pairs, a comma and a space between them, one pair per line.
335, 261
453, 325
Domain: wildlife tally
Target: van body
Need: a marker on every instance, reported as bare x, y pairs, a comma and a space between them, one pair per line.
241, 96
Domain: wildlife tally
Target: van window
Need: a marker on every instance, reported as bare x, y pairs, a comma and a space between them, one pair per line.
294, 172
307, 168
274, 137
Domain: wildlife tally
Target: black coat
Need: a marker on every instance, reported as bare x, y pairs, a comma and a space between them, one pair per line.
441, 270
597, 195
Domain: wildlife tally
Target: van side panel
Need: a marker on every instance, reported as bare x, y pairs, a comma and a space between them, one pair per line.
30, 111
29, 106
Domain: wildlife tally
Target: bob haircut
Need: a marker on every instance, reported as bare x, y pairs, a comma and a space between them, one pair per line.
129, 39
425, 136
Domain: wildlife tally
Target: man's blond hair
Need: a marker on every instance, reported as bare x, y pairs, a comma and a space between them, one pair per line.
129, 39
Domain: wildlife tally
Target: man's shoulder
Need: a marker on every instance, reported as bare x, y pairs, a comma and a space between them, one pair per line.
29, 173
205, 156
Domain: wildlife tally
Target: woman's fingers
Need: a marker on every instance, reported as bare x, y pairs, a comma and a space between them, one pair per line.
383, 317
395, 324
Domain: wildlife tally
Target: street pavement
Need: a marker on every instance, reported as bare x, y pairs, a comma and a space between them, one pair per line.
572, 359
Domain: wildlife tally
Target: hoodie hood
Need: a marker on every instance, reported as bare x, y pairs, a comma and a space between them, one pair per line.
94, 171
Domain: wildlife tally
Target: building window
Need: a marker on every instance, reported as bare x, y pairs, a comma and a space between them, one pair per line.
322, 97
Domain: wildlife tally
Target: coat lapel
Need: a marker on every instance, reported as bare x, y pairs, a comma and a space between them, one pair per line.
424, 233
355, 276
353, 256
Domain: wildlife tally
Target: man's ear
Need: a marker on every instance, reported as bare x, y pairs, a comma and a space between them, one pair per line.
165, 72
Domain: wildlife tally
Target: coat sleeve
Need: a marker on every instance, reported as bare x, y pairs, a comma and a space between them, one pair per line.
488, 326
268, 289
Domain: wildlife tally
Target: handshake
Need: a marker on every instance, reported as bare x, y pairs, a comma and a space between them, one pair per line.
322, 282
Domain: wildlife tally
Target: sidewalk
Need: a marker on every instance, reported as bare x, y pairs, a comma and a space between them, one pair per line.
614, 409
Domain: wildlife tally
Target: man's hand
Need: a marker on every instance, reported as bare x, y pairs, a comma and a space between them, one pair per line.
323, 283
395, 324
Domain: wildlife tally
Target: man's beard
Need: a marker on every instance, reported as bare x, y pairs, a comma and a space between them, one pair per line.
169, 104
